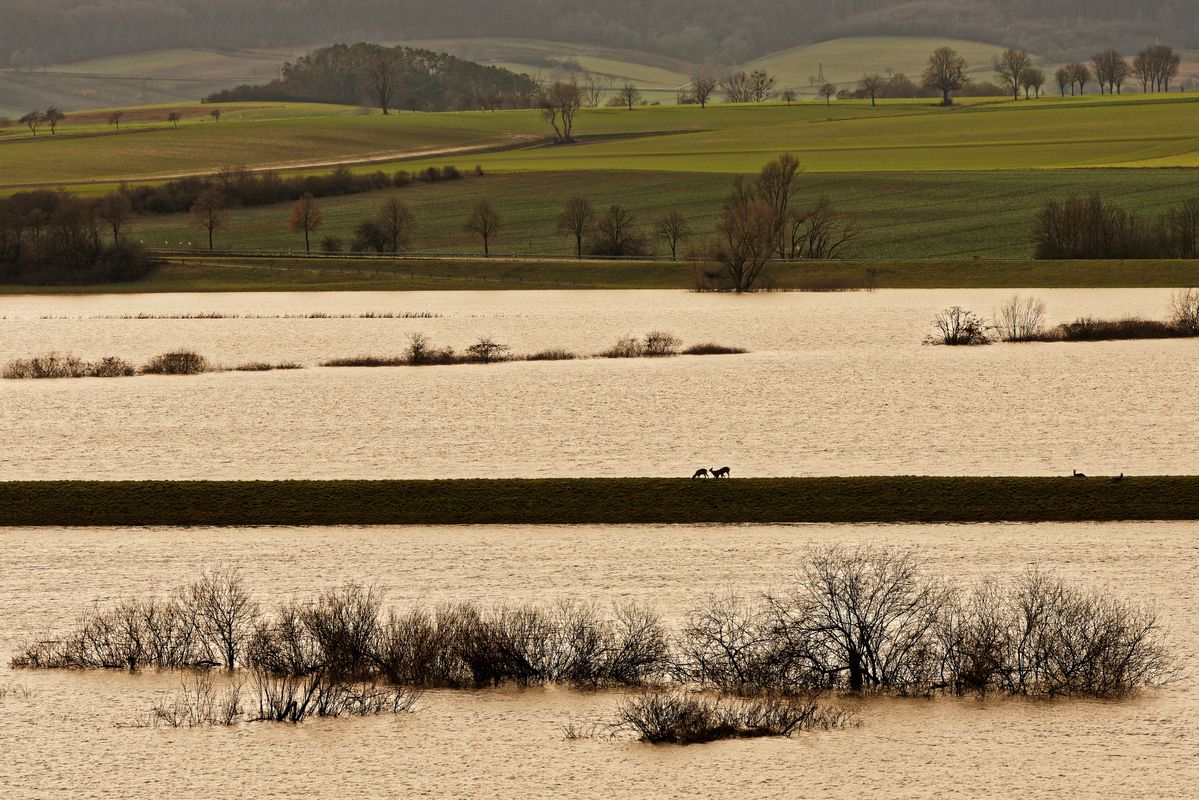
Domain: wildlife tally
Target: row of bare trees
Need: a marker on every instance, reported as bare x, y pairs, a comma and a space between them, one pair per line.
858, 619
1090, 228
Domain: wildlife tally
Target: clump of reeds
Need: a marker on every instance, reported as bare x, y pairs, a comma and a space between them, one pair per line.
712, 349
678, 717
266, 366
177, 362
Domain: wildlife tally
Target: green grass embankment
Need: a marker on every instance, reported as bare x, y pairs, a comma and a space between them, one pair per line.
266, 274
599, 501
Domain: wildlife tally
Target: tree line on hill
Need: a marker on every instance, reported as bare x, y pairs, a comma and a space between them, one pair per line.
37, 32
391, 78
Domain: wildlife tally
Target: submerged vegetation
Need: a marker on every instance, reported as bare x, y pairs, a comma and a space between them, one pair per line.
178, 362
860, 620
1022, 319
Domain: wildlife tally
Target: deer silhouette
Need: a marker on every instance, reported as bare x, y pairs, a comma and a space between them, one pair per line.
700, 473
1077, 474
723, 472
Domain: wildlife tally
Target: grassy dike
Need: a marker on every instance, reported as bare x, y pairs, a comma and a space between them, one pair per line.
299, 274
598, 501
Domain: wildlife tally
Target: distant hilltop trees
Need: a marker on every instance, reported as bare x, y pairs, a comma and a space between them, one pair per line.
391, 78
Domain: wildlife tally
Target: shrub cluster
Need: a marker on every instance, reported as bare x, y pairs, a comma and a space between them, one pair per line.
178, 362
239, 186
676, 717
853, 619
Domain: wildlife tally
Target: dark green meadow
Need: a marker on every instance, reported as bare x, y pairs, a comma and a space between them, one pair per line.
902, 499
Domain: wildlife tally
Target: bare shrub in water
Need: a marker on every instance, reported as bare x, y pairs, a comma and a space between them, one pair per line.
198, 703
112, 367
1184, 310
225, 612
487, 351
730, 643
51, 365
625, 347
682, 718
712, 349
178, 362
1020, 319
660, 343
957, 326
551, 354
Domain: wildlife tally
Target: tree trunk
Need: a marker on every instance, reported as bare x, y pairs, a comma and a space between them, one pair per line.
210, 238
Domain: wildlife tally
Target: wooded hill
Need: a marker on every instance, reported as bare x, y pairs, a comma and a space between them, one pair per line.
35, 32
391, 77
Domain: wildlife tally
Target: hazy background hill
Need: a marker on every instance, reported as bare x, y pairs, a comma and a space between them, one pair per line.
37, 32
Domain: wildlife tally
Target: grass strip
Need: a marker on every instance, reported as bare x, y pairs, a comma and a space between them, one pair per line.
598, 501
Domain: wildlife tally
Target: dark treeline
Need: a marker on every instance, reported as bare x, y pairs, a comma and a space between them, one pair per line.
34, 32
1087, 227
391, 77
54, 237
864, 619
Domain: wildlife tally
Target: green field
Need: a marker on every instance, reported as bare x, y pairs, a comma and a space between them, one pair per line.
266, 274
598, 501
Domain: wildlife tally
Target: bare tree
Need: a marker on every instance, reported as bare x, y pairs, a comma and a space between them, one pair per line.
616, 233
761, 85
53, 116
174, 118
1105, 66
630, 95
396, 221
872, 84
789, 96
577, 219
209, 213
225, 611
775, 188
1080, 75
215, 114
1062, 78
382, 76
306, 218
945, 73
559, 103
33, 120
115, 119
484, 221
817, 232
745, 237
1020, 319
115, 209
594, 91
1010, 67
737, 87
1033, 80
828, 91
702, 87
672, 228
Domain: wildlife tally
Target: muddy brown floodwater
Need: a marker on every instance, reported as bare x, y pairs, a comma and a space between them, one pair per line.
62, 734
836, 384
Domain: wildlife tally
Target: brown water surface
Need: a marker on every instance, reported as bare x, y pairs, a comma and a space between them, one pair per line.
836, 384
66, 738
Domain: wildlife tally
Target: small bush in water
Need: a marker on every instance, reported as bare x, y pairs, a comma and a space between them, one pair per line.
179, 362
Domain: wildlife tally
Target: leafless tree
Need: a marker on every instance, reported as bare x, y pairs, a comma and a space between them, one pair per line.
616, 233
1184, 309
745, 237
209, 213
817, 232
484, 221
115, 209
1062, 78
215, 114
559, 103
115, 119
957, 326
737, 87
306, 218
53, 116
828, 91
382, 76
761, 85
225, 611
702, 87
776, 187
629, 95
872, 84
33, 120
174, 118
945, 73
594, 91
396, 220
1010, 67
1034, 79
672, 229
577, 219
1080, 75
789, 96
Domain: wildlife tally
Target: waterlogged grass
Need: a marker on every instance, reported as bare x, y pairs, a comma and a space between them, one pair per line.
599, 501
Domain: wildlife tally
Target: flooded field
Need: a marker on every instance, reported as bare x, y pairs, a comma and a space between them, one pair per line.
65, 730
835, 384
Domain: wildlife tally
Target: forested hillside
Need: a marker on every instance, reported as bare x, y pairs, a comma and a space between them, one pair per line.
391, 77
34, 32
